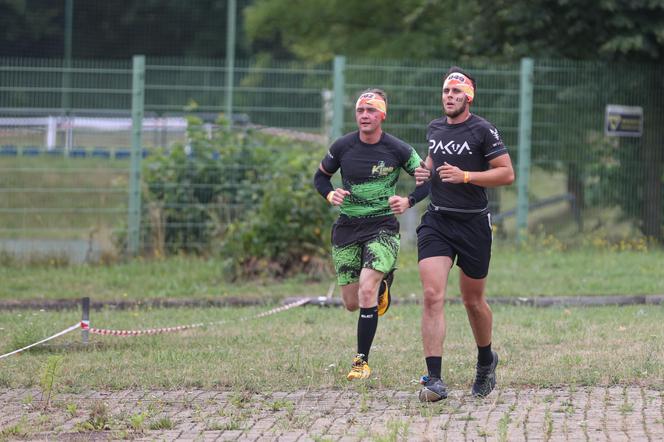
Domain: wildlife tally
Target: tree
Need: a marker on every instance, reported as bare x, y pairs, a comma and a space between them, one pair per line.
23, 32
618, 30
607, 30
118, 29
502, 30
316, 30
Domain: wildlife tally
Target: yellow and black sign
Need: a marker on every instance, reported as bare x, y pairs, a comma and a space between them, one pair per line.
623, 121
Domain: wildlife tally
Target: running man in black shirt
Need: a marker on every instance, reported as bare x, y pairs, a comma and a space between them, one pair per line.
365, 238
466, 155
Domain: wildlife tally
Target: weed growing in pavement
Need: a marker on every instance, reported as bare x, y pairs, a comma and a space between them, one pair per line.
396, 430
71, 409
47, 380
163, 423
626, 408
241, 399
364, 404
231, 425
28, 399
18, 430
548, 423
98, 420
566, 407
503, 425
137, 421
281, 404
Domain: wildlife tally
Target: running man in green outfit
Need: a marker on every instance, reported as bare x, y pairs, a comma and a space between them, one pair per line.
365, 238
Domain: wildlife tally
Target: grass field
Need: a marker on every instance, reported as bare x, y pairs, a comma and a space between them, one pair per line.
311, 348
59, 197
539, 269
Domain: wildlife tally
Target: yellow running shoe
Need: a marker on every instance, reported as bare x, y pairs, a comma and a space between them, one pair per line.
384, 295
360, 369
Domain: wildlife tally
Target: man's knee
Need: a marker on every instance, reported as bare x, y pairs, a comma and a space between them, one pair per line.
434, 298
351, 306
368, 292
349, 296
473, 301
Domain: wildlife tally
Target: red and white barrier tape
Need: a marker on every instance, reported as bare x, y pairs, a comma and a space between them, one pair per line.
85, 325
154, 331
151, 331
63, 332
283, 308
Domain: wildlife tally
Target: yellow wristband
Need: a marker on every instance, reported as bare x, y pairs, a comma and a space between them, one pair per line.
466, 177
329, 196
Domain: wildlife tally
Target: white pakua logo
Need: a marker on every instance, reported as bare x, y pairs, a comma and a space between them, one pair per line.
451, 148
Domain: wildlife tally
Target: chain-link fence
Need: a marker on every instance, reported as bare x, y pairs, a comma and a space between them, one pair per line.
65, 135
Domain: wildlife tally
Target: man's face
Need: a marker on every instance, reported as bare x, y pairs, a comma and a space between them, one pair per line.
454, 101
368, 118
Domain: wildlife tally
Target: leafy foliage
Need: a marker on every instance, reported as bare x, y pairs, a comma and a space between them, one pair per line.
316, 30
430, 29
371, 28
587, 29
117, 29
49, 374
249, 192
286, 232
195, 188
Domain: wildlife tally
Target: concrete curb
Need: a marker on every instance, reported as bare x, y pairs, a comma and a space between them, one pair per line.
539, 301
544, 301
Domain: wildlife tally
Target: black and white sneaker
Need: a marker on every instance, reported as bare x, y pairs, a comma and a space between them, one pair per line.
433, 390
485, 378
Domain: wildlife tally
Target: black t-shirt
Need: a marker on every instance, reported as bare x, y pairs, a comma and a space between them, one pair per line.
469, 146
369, 171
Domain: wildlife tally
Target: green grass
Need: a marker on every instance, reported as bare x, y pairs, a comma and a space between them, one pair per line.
51, 187
525, 272
311, 348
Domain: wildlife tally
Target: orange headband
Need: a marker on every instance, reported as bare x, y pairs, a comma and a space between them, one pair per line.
461, 82
373, 100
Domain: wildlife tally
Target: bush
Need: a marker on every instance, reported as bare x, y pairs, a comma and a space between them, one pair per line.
288, 232
193, 189
247, 192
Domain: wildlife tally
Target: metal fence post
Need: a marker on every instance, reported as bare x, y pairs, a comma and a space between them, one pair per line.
525, 134
230, 58
338, 97
85, 319
137, 105
66, 73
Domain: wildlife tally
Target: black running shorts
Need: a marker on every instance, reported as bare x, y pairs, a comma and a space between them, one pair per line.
465, 238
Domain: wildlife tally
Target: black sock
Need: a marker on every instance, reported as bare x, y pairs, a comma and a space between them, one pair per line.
366, 330
434, 364
484, 355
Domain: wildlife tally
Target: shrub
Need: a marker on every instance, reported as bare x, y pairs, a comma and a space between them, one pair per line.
288, 232
244, 194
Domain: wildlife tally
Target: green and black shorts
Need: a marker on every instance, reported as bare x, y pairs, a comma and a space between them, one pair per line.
359, 243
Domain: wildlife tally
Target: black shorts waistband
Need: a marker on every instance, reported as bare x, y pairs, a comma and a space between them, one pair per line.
353, 230
347, 220
462, 214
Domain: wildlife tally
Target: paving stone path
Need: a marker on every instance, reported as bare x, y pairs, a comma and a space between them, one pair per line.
618, 413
